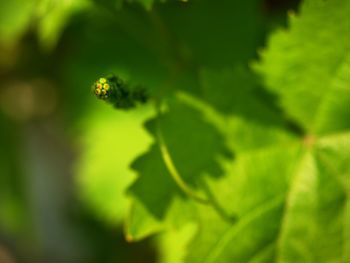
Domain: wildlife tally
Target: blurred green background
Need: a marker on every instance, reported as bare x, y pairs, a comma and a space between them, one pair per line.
60, 199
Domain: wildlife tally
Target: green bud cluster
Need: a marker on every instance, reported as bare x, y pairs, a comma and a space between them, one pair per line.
113, 90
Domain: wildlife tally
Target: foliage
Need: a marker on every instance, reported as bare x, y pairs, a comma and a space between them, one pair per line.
238, 157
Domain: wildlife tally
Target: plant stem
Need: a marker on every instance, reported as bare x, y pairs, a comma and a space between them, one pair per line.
171, 166
174, 173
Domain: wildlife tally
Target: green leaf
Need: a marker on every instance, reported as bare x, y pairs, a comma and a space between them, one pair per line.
292, 206
229, 91
173, 244
243, 116
334, 111
258, 208
142, 223
315, 224
50, 18
153, 210
288, 190
110, 143
290, 195
306, 64
15, 17
332, 150
53, 16
155, 188
211, 34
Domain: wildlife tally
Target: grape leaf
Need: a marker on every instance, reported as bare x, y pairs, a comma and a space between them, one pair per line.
14, 19
302, 64
258, 208
156, 189
149, 214
231, 90
205, 33
334, 112
202, 151
253, 135
53, 16
315, 225
248, 123
292, 200
142, 223
103, 174
49, 17
302, 213
173, 243
289, 191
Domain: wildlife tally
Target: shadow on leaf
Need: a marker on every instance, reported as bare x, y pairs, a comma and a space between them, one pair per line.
194, 146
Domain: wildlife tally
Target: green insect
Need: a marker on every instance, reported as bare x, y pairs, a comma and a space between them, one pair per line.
115, 91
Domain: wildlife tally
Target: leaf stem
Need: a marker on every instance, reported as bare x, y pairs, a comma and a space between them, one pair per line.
174, 173
171, 166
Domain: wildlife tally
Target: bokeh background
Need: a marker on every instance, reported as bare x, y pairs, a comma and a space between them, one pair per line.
60, 199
